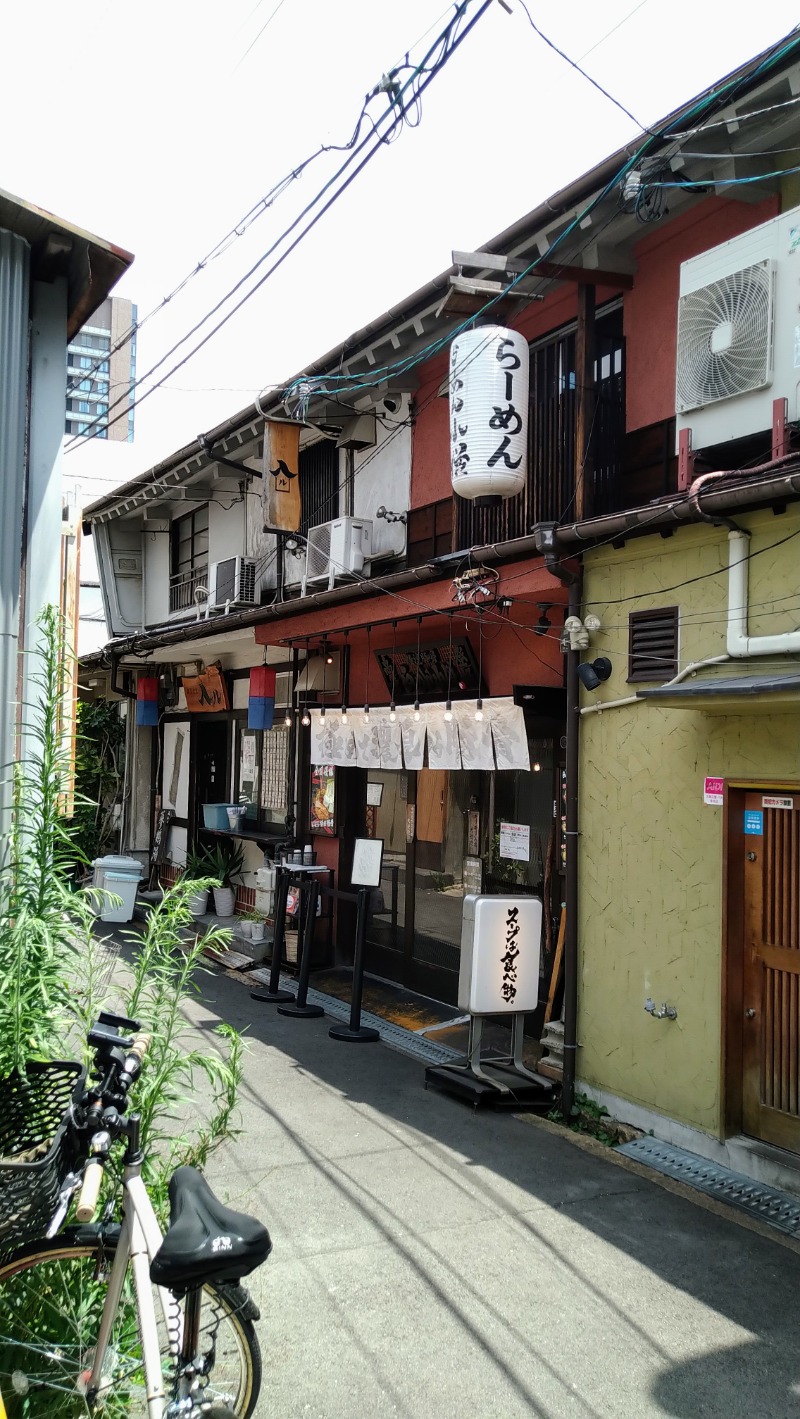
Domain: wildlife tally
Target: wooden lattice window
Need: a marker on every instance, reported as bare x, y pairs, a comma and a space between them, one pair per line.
653, 644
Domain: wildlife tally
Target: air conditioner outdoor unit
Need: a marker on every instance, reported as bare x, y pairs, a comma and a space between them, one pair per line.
338, 549
738, 335
232, 582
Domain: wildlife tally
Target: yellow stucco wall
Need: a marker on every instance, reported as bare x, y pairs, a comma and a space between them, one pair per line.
650, 920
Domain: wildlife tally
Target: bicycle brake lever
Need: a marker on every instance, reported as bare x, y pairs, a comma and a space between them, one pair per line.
69, 1187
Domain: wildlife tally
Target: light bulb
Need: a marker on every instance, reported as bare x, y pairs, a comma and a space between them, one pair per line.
392, 714
322, 712
448, 711
366, 711
479, 709
287, 719
537, 768
344, 715
306, 720
416, 710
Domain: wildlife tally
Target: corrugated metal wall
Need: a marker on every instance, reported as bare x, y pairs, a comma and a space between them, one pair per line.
14, 311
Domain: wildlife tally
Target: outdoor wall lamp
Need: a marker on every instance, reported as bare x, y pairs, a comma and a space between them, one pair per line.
592, 673
578, 636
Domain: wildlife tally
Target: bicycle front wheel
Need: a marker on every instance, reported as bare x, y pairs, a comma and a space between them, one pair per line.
51, 1300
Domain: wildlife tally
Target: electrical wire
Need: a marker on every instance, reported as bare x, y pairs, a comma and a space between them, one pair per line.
254, 42
576, 66
396, 113
718, 97
238, 230
613, 30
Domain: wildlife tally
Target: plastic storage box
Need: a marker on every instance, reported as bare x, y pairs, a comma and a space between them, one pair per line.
215, 816
120, 876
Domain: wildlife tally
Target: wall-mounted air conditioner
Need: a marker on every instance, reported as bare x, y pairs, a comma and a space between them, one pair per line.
337, 549
738, 334
232, 582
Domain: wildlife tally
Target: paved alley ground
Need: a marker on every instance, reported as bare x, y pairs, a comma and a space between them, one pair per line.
433, 1263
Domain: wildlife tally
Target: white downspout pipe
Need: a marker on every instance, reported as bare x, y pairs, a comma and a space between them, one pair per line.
676, 680
740, 644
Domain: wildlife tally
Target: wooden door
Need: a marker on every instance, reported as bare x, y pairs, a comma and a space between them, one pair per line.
771, 963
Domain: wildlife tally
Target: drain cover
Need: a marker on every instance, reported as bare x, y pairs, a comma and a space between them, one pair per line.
778, 1208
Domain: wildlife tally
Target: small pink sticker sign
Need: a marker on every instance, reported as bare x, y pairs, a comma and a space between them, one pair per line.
713, 791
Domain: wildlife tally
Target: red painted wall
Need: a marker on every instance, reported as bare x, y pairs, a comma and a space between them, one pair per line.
430, 459
650, 317
650, 312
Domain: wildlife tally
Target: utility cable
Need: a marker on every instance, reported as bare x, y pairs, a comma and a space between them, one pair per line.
396, 112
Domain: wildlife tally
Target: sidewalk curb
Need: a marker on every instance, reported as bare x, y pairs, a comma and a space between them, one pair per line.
689, 1194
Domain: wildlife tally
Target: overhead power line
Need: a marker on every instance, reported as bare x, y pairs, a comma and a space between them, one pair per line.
421, 75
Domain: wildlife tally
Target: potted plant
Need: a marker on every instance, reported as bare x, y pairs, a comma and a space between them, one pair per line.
198, 868
225, 864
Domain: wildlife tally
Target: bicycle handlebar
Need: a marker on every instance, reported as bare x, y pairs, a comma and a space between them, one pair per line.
90, 1191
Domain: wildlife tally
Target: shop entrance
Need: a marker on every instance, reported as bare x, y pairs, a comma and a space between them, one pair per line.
765, 855
442, 839
212, 760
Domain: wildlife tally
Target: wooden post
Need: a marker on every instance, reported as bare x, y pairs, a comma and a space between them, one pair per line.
555, 974
586, 402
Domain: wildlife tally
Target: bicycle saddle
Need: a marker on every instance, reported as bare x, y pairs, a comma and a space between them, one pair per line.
205, 1241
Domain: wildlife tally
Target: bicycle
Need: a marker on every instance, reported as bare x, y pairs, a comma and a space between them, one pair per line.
110, 1315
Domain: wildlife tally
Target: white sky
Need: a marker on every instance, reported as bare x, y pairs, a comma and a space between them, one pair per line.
148, 124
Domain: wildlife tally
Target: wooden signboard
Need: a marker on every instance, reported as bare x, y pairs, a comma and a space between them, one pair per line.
281, 483
206, 693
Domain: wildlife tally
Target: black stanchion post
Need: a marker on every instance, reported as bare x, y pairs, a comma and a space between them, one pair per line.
355, 1032
299, 1007
273, 995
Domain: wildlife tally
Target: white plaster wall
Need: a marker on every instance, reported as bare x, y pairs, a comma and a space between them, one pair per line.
226, 530
156, 573
383, 477
124, 540
258, 543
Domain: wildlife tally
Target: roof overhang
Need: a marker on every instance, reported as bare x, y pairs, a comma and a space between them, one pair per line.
91, 265
753, 693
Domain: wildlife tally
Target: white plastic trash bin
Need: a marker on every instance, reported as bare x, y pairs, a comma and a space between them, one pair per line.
120, 876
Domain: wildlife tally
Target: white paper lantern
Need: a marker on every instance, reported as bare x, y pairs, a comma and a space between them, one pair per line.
489, 412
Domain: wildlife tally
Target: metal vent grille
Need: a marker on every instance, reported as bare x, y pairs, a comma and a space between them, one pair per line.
653, 644
725, 337
247, 581
319, 553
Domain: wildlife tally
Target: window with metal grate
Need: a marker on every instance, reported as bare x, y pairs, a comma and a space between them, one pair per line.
653, 644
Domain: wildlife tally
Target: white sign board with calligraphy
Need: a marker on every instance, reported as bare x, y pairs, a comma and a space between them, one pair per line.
500, 943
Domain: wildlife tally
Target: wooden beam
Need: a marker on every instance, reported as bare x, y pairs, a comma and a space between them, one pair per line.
458, 303
553, 270
585, 404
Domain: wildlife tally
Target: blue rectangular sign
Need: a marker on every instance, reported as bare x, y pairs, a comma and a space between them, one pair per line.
754, 822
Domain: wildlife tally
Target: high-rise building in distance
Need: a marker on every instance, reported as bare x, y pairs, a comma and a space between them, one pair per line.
98, 374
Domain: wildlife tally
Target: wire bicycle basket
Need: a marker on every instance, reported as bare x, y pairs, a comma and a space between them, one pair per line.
35, 1147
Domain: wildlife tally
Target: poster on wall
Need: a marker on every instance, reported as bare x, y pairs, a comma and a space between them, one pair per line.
322, 815
515, 842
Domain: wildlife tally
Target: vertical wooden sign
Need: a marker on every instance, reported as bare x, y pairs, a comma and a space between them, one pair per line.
280, 482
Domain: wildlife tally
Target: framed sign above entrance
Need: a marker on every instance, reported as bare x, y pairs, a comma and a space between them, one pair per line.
206, 693
398, 666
